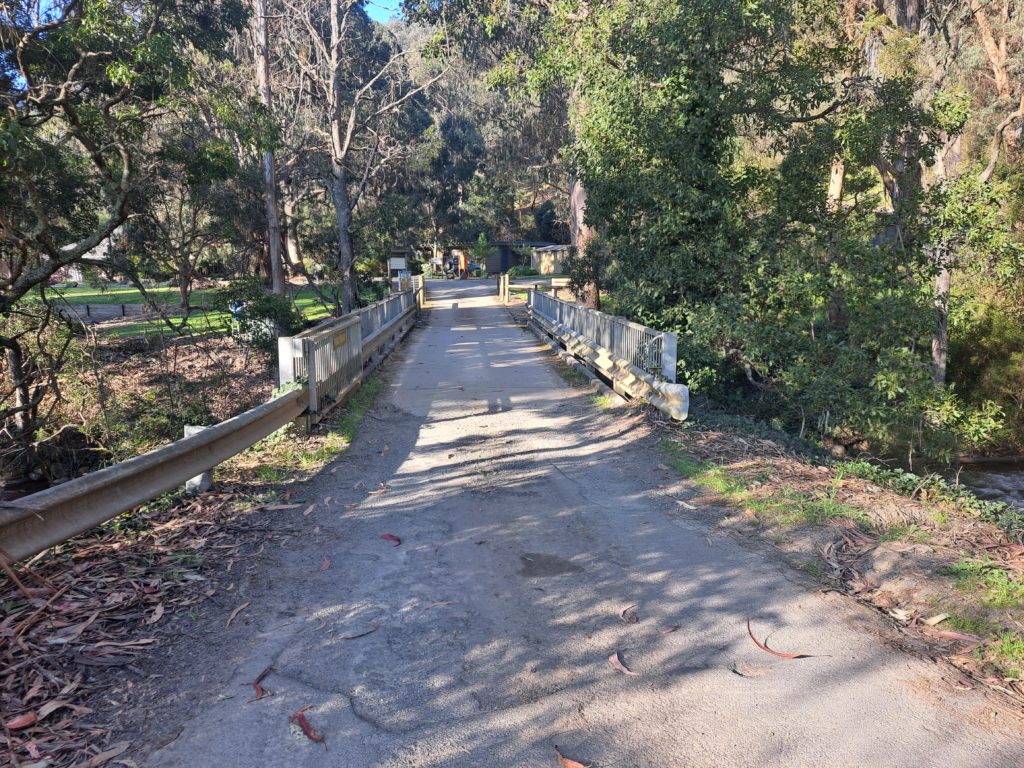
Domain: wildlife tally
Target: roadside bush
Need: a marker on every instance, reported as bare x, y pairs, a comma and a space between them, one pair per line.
264, 316
986, 354
481, 250
522, 270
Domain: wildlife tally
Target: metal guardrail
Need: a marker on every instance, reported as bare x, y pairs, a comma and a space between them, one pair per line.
338, 353
33, 523
645, 348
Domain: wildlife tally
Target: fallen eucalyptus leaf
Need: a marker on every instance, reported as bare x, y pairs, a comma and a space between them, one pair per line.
97, 760
565, 762
617, 663
21, 721
766, 649
628, 615
237, 611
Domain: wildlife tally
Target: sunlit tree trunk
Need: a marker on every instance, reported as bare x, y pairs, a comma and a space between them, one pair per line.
581, 235
836, 308
340, 144
269, 173
291, 230
995, 48
184, 281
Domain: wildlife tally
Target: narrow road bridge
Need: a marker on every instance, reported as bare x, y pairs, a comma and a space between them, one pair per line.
528, 521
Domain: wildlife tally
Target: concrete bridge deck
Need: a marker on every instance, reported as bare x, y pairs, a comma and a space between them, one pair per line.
528, 521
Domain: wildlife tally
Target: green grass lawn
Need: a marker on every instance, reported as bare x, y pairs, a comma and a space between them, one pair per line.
124, 294
309, 304
199, 322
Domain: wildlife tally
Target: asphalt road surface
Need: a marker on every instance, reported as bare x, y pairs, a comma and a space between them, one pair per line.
528, 521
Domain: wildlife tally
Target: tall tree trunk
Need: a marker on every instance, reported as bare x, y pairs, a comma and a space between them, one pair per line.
184, 281
346, 258
947, 161
291, 229
581, 236
836, 308
269, 173
340, 143
995, 50
940, 337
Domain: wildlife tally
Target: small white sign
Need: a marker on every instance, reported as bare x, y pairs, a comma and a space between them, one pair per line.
398, 262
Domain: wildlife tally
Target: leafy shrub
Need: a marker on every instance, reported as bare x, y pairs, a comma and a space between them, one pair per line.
265, 315
136, 423
986, 354
522, 270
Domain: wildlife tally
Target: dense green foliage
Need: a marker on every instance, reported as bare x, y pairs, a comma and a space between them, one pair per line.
821, 198
707, 135
261, 316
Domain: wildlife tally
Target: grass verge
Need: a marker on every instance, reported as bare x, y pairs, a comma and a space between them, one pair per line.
291, 455
199, 322
782, 506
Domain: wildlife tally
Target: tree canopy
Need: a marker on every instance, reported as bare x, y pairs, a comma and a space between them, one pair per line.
822, 198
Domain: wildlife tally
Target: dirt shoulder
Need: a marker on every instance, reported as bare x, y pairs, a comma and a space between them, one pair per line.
105, 636
951, 583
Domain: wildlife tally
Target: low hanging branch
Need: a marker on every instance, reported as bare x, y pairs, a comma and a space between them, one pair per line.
998, 138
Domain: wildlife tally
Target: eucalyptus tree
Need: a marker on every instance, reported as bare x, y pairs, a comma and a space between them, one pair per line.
344, 85
499, 165
261, 60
